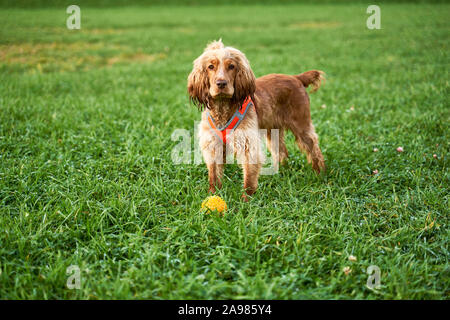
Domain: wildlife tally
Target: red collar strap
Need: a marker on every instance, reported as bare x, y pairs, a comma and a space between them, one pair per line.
232, 124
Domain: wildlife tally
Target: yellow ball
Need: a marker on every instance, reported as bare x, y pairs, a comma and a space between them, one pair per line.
214, 203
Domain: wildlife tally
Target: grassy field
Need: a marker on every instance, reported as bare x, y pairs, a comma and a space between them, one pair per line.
86, 176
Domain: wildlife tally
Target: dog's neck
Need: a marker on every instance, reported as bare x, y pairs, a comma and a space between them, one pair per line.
221, 111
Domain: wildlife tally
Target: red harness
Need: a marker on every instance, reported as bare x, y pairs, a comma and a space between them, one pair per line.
232, 124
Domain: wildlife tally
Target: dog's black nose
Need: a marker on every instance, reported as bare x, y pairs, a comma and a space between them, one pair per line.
221, 83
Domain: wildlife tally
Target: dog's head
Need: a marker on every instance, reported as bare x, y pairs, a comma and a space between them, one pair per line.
220, 73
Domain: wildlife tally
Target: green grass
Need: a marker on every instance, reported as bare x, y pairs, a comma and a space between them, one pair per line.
86, 176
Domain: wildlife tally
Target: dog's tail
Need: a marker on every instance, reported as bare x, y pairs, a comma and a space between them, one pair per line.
313, 78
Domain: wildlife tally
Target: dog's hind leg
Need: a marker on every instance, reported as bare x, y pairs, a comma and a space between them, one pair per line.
308, 141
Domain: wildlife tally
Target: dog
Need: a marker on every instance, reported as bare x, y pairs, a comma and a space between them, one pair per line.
235, 105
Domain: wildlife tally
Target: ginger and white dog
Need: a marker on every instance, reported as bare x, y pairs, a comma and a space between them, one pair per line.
235, 105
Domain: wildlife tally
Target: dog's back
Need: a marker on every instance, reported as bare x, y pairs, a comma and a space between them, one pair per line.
283, 103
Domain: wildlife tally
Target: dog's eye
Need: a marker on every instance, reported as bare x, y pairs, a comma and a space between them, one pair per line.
231, 67
211, 67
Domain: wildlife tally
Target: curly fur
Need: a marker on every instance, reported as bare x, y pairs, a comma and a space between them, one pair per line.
221, 79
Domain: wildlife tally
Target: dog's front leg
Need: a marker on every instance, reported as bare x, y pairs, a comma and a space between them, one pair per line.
252, 167
214, 159
215, 174
212, 175
251, 174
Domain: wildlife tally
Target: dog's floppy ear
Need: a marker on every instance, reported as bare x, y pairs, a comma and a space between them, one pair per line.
198, 85
244, 82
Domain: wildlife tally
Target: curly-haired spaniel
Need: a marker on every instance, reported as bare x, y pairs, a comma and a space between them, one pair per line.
236, 105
